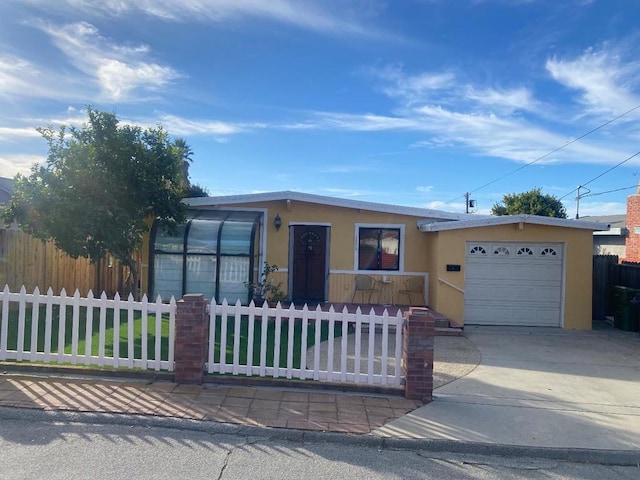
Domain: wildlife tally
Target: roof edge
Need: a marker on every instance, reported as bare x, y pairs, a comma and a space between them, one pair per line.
426, 226
323, 200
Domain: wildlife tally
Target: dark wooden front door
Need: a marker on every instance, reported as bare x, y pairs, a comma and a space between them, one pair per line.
309, 262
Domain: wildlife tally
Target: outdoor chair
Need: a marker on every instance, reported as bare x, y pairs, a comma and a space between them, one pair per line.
413, 287
366, 285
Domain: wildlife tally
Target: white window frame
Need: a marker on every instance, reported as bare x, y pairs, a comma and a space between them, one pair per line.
390, 226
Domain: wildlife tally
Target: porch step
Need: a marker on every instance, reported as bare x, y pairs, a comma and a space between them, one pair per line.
442, 322
449, 332
441, 331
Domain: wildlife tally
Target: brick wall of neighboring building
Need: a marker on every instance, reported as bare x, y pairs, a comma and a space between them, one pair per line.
632, 253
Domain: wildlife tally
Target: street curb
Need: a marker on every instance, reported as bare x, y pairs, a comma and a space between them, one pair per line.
575, 455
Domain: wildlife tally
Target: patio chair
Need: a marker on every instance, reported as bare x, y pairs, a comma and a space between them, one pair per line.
366, 285
413, 286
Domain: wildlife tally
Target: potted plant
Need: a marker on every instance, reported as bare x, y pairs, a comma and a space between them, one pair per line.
264, 289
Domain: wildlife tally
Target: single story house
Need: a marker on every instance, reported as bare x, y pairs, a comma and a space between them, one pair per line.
512, 270
611, 241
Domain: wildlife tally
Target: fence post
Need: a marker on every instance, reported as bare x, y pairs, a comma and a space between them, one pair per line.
417, 354
191, 339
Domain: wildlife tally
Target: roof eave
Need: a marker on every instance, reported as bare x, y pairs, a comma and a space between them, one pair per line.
204, 202
510, 219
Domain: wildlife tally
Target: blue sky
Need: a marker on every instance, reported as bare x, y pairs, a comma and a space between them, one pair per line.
411, 102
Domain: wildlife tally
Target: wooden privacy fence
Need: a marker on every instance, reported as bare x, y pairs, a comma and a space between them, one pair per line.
87, 331
608, 273
305, 344
25, 260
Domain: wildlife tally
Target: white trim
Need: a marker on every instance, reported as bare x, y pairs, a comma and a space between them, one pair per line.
387, 226
388, 273
613, 232
214, 202
304, 224
427, 226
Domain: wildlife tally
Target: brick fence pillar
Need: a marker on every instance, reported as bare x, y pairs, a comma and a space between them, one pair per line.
417, 354
192, 332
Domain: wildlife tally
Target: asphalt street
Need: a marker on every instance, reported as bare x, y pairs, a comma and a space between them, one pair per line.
35, 448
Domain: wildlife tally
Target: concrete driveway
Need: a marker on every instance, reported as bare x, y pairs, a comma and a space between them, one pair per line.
538, 387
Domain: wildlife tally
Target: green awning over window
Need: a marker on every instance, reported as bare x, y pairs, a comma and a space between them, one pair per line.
214, 253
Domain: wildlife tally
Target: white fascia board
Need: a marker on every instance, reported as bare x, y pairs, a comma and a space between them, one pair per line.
204, 202
613, 232
425, 226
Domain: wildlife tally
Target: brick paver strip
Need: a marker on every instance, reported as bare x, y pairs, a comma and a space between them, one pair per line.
350, 413
275, 395
323, 407
295, 396
322, 398
242, 392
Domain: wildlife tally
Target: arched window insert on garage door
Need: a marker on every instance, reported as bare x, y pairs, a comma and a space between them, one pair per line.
214, 253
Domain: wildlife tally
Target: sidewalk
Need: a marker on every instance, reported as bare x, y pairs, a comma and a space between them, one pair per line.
318, 410
538, 389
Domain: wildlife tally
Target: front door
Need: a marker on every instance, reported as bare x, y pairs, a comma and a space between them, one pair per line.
309, 263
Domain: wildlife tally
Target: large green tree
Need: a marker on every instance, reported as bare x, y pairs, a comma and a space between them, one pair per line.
99, 187
532, 202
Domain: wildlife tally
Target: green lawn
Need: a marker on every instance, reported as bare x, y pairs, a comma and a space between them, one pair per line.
95, 338
164, 355
271, 335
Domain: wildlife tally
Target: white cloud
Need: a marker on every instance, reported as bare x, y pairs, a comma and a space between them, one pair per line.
605, 82
506, 101
412, 88
181, 126
425, 189
329, 17
601, 208
11, 165
119, 70
21, 78
11, 134
445, 206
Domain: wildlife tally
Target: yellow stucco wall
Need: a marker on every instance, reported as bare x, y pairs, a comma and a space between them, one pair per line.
449, 248
342, 241
424, 253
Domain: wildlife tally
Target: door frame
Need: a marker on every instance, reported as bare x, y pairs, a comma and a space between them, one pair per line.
326, 257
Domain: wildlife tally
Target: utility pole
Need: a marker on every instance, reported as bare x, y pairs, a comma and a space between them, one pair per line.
578, 197
468, 203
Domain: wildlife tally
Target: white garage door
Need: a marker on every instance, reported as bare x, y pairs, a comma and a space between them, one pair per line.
513, 284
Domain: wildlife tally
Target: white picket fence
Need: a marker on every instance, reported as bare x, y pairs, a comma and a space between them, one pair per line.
370, 354
82, 319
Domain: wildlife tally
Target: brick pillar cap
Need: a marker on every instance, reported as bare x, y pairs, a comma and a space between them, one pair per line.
418, 310
192, 297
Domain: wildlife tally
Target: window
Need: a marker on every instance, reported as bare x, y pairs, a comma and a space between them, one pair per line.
378, 248
213, 253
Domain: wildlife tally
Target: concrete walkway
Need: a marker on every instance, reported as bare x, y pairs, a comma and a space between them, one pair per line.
540, 388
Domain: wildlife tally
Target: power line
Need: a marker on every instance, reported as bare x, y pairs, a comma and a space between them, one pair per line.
610, 191
547, 154
602, 174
